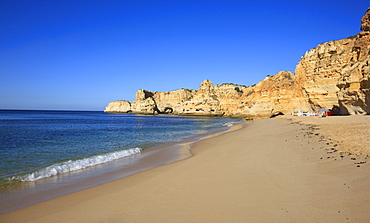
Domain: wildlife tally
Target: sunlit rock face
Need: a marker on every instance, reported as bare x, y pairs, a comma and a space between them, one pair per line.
171, 102
148, 102
274, 94
208, 100
204, 102
118, 107
144, 103
213, 100
335, 73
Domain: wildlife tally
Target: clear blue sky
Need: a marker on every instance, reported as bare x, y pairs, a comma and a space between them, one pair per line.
62, 54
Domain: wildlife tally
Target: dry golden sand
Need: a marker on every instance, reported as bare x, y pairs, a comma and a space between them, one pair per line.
350, 133
272, 170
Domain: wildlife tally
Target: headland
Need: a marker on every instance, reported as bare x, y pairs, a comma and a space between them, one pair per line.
334, 74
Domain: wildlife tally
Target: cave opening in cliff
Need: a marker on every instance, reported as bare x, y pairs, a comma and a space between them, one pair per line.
168, 110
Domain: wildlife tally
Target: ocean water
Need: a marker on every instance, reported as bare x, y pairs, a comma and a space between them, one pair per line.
36, 145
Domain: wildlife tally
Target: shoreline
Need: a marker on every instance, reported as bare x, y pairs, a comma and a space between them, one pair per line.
24, 194
270, 171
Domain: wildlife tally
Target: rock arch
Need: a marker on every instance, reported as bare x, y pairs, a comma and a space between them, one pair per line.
168, 110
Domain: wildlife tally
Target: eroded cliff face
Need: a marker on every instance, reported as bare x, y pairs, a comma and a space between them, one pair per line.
171, 102
148, 102
278, 93
118, 106
208, 100
229, 96
335, 73
144, 103
204, 102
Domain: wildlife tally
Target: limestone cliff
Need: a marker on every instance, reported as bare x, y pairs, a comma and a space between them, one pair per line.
144, 103
208, 100
204, 102
171, 102
118, 106
335, 73
278, 93
148, 102
229, 96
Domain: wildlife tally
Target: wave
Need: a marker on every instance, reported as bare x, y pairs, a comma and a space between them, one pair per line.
72, 165
229, 124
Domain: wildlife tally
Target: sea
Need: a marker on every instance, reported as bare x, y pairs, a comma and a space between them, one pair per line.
45, 154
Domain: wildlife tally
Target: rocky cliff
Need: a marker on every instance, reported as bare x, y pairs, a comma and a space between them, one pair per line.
278, 93
335, 73
208, 100
118, 106
148, 102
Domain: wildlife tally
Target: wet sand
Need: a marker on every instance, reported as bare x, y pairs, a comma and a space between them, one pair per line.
273, 170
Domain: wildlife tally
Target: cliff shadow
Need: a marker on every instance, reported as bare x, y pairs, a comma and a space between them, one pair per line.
342, 109
167, 110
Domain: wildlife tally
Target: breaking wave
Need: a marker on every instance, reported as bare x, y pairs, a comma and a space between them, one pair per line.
72, 165
229, 124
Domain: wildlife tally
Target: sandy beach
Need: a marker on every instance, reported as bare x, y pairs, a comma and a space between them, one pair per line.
285, 169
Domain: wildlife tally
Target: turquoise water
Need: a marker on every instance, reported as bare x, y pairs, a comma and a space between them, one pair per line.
36, 145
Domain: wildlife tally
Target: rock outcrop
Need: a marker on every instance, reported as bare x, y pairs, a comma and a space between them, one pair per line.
144, 103
365, 22
208, 100
151, 103
204, 102
118, 107
171, 102
278, 93
335, 73
229, 96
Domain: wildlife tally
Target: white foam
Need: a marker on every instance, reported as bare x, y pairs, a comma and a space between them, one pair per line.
72, 165
229, 124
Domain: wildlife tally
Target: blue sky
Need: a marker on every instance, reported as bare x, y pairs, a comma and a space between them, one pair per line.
83, 54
